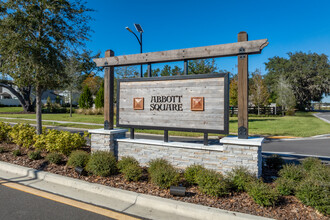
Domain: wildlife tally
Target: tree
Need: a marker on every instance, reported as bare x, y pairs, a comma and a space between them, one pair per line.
233, 92
93, 82
285, 95
35, 37
86, 98
308, 74
166, 71
176, 71
202, 66
154, 72
99, 99
258, 90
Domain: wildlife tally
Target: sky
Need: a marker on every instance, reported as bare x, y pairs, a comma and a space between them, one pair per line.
289, 26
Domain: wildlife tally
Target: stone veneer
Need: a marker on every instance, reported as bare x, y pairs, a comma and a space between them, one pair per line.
223, 157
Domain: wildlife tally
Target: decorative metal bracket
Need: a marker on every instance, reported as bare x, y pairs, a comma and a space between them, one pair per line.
242, 133
106, 125
241, 51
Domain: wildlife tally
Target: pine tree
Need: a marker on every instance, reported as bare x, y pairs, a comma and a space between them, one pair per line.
99, 99
86, 98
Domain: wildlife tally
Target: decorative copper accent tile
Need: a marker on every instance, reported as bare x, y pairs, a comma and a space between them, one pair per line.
197, 103
138, 103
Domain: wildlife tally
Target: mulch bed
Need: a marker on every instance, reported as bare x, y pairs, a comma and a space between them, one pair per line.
288, 208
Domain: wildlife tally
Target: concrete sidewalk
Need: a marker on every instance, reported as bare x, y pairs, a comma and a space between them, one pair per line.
145, 206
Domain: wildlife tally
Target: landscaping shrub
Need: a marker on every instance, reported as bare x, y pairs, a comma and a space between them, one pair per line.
293, 172
240, 178
102, 163
285, 186
311, 163
90, 111
22, 135
321, 173
126, 161
2, 150
40, 139
274, 162
315, 193
191, 172
78, 158
17, 153
86, 98
263, 194
212, 183
162, 173
60, 141
4, 131
35, 155
54, 157
132, 172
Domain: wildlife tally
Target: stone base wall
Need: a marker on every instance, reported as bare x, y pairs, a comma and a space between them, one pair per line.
222, 158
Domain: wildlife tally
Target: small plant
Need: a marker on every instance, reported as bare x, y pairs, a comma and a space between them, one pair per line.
274, 162
4, 132
35, 155
126, 161
2, 150
285, 186
212, 183
240, 178
321, 173
78, 158
102, 163
263, 194
17, 153
293, 172
311, 163
22, 135
162, 173
191, 173
132, 172
54, 157
315, 193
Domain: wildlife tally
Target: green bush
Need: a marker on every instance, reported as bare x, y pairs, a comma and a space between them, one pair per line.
321, 173
54, 157
274, 162
2, 150
191, 172
102, 163
263, 194
311, 163
63, 142
212, 183
35, 155
240, 178
293, 172
22, 135
99, 99
132, 172
4, 131
78, 158
286, 186
162, 173
315, 193
126, 161
17, 153
86, 98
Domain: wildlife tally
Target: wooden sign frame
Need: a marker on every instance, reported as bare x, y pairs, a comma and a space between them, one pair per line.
225, 76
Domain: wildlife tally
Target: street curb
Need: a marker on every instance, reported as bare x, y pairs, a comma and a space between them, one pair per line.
183, 209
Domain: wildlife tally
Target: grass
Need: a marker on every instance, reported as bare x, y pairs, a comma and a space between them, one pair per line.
303, 124
11, 109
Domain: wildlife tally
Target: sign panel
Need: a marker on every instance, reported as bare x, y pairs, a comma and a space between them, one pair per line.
185, 103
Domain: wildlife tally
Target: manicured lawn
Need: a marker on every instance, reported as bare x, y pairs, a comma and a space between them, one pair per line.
11, 109
303, 124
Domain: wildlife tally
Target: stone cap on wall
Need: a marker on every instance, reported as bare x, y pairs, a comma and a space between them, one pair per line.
251, 141
102, 131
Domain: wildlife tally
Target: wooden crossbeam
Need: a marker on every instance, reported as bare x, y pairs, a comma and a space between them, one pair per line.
222, 50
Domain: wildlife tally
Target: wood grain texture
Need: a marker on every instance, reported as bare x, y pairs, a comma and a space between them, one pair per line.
211, 89
222, 50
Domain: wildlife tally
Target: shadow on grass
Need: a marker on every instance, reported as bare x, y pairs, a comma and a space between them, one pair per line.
254, 119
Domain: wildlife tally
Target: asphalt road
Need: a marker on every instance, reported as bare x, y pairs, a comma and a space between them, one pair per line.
324, 115
16, 205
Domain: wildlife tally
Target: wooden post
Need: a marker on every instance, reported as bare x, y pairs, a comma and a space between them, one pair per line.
108, 93
243, 89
